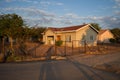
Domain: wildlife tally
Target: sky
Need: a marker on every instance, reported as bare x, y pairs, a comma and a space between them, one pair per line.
62, 13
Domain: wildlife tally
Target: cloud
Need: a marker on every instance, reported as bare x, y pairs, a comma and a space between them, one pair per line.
8, 0
34, 16
72, 16
48, 21
47, 3
117, 4
68, 22
73, 19
41, 21
27, 1
105, 21
117, 12
108, 21
112, 21
30, 11
59, 4
41, 2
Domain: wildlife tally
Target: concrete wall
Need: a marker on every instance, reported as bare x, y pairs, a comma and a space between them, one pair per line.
45, 37
104, 38
65, 35
85, 34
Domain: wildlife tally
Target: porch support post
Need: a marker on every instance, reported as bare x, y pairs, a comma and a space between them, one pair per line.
55, 44
46, 41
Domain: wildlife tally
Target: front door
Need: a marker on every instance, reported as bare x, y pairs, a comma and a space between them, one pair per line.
50, 40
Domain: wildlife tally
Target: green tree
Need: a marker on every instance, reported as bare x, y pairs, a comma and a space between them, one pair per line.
26, 33
10, 26
37, 33
96, 26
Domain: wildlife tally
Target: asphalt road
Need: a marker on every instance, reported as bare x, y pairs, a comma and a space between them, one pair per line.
52, 70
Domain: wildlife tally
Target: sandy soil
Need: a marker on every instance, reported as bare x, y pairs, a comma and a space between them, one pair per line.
108, 62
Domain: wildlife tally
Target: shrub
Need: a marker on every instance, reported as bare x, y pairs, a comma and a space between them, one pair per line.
1, 57
112, 40
58, 43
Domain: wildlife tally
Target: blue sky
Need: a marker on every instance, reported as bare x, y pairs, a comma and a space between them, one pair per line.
61, 13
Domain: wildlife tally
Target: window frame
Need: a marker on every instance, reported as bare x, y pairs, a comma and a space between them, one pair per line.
68, 38
91, 37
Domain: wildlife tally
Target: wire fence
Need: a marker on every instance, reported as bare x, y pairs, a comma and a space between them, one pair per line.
70, 48
38, 50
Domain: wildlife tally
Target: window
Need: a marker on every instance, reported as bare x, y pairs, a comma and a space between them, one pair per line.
91, 37
68, 38
58, 37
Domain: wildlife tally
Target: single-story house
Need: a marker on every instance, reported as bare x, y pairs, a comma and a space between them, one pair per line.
104, 36
73, 35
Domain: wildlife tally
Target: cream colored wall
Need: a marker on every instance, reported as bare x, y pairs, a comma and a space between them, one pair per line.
48, 33
87, 32
73, 37
63, 37
76, 36
105, 37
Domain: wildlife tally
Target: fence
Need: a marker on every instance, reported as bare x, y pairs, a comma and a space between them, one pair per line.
37, 50
70, 49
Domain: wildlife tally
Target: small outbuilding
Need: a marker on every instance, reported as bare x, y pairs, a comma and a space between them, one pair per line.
104, 36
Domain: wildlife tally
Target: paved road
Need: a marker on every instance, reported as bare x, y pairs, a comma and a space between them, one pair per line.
52, 70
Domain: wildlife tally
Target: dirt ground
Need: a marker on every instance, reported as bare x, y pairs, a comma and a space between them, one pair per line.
108, 61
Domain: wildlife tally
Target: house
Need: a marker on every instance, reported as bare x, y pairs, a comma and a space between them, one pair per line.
104, 36
72, 36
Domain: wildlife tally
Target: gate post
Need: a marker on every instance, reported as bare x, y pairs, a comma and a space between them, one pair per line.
55, 49
85, 46
65, 49
72, 47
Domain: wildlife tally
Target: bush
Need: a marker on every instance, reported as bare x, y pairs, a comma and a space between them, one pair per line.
14, 58
10, 59
1, 57
112, 40
58, 43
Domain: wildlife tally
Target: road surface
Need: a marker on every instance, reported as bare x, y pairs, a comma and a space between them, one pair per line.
52, 70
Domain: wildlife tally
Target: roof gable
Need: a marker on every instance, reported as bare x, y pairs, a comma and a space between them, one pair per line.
101, 32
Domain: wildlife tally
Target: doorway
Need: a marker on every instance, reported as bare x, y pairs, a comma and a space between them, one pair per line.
50, 40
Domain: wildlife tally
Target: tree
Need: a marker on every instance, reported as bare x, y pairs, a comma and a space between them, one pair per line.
26, 33
96, 26
37, 33
10, 26
116, 33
